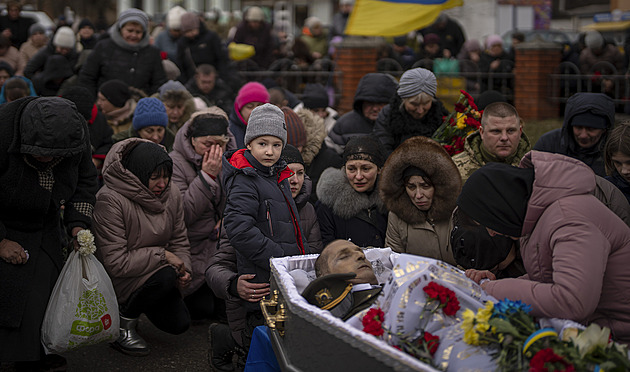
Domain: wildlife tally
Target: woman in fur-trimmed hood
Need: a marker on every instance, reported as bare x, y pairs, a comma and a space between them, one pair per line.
419, 187
349, 205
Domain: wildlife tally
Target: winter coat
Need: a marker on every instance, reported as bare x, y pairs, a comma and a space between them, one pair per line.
394, 125
261, 39
38, 62
609, 54
344, 213
100, 134
562, 141
410, 230
30, 214
28, 50
222, 274
138, 65
221, 95
575, 250
167, 141
133, 227
472, 158
621, 183
237, 128
317, 44
315, 128
19, 28
205, 48
613, 198
15, 59
372, 87
260, 218
203, 201
165, 43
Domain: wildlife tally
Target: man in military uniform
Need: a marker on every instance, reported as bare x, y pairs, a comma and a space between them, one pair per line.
345, 282
500, 139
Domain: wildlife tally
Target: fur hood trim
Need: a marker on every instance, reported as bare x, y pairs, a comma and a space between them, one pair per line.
429, 156
335, 192
315, 134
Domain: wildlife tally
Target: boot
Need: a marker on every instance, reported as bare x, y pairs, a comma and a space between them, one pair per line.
129, 342
222, 347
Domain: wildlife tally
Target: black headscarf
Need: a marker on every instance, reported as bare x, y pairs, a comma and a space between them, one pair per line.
496, 196
145, 158
364, 148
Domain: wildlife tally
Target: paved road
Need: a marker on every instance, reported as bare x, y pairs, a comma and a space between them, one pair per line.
186, 353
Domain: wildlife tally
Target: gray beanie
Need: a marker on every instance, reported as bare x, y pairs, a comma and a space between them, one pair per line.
594, 40
416, 81
266, 120
133, 15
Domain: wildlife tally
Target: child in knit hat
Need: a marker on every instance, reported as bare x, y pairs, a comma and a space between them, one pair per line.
261, 219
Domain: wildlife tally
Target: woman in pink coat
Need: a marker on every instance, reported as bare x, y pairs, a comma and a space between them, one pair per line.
575, 250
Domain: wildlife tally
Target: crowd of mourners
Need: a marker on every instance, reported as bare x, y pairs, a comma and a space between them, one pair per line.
191, 180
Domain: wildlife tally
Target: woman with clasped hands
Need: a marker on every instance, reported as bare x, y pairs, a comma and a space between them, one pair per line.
141, 239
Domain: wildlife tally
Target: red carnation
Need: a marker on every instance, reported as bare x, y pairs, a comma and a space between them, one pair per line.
372, 322
432, 342
460, 107
471, 101
547, 356
447, 298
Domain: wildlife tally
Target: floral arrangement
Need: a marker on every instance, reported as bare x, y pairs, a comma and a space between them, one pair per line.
459, 124
86, 242
422, 345
520, 344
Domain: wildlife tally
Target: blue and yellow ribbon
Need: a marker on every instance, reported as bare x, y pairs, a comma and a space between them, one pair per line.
541, 333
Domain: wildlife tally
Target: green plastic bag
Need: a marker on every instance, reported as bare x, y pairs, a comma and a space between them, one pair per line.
445, 67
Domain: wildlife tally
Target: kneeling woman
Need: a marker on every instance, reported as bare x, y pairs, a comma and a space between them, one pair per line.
419, 185
349, 206
141, 238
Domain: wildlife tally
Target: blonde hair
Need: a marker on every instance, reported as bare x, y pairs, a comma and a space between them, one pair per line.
420, 99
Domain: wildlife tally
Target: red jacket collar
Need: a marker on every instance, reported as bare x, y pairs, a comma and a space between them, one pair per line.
239, 161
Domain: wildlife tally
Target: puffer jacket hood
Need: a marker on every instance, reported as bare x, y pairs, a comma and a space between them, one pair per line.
374, 87
38, 135
121, 180
596, 103
428, 155
548, 187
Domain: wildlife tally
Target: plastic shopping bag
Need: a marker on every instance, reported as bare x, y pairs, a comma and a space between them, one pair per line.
239, 52
82, 309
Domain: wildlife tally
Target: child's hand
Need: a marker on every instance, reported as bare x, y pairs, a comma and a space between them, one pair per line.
211, 163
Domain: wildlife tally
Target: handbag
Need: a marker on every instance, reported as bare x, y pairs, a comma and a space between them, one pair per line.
82, 309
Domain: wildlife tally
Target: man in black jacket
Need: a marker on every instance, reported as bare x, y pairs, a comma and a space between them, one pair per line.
587, 119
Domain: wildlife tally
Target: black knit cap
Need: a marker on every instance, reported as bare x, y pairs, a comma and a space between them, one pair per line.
364, 148
315, 96
496, 196
208, 125
145, 158
116, 91
413, 171
86, 23
82, 98
291, 154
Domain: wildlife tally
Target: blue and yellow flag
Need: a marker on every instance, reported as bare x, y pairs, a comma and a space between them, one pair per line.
394, 17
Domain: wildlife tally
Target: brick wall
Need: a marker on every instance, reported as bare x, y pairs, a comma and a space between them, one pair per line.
354, 57
534, 62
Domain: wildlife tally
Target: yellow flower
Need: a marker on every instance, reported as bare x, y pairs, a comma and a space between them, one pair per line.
501, 337
484, 314
470, 132
482, 327
461, 124
471, 337
469, 319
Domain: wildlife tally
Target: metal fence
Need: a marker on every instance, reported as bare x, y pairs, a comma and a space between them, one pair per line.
603, 77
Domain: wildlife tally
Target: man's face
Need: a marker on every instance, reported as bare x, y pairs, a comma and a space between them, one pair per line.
345, 257
500, 136
205, 83
104, 104
14, 12
86, 32
587, 137
372, 109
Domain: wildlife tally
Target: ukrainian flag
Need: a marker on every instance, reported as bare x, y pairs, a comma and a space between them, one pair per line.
394, 17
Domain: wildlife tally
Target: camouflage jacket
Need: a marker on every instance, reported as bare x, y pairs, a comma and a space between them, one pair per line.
472, 158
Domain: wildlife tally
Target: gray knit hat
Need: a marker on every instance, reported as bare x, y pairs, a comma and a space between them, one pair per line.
416, 81
266, 120
133, 15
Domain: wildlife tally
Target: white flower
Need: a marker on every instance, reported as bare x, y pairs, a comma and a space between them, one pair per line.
592, 337
86, 242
